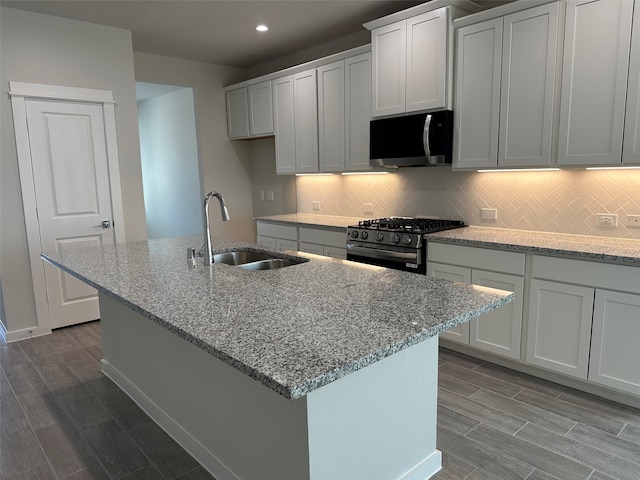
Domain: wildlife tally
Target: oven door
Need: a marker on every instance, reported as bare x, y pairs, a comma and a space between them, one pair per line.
398, 258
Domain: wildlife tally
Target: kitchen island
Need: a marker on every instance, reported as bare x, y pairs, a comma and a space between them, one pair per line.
322, 370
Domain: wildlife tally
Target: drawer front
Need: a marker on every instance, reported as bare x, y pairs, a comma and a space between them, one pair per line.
323, 237
593, 274
473, 257
278, 231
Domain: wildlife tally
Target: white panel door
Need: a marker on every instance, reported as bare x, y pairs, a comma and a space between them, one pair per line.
499, 331
426, 79
305, 106
71, 180
357, 71
477, 99
284, 126
452, 273
388, 65
615, 356
529, 52
560, 327
331, 110
594, 82
631, 142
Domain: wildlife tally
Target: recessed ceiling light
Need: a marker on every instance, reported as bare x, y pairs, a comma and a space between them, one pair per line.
262, 28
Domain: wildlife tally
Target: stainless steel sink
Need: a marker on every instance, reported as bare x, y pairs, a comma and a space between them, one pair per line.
269, 264
240, 257
256, 260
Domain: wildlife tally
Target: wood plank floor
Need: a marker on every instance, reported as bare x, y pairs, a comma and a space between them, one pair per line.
62, 419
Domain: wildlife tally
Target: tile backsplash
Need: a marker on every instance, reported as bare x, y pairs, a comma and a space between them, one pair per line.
565, 201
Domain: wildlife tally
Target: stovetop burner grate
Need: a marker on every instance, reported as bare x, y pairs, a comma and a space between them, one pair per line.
413, 225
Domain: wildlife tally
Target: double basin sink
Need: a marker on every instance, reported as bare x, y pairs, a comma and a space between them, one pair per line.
255, 260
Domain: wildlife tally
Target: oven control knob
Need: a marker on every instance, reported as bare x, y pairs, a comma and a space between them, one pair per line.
354, 234
364, 235
395, 238
406, 240
379, 236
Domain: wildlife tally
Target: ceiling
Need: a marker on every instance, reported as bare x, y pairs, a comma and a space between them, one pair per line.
222, 31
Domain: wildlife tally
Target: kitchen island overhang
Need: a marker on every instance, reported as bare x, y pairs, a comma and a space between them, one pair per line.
355, 345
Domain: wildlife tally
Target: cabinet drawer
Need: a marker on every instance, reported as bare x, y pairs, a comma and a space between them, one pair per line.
278, 231
473, 257
593, 274
323, 237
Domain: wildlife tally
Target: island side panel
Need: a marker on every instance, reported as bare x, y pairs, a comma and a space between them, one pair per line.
378, 423
232, 425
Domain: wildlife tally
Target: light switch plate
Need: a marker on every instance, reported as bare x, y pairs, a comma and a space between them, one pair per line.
367, 208
315, 205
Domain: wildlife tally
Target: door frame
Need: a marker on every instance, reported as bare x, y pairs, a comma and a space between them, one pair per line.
19, 93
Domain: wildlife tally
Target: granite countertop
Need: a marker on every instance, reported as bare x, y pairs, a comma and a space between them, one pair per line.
579, 247
328, 222
294, 329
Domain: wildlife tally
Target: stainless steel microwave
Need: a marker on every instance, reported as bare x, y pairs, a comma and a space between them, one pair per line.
413, 140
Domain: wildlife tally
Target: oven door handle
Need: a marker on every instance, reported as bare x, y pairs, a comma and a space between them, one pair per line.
380, 254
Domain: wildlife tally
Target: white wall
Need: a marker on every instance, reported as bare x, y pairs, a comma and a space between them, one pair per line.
43, 49
225, 165
263, 167
170, 168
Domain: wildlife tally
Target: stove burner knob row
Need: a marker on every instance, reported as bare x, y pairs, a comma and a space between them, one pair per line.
354, 234
364, 235
379, 236
395, 238
406, 240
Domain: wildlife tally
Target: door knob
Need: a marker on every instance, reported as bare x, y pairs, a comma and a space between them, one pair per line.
106, 224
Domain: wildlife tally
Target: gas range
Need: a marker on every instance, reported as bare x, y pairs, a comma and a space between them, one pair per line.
396, 242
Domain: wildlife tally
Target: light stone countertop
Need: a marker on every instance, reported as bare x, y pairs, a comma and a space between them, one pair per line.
293, 329
578, 247
327, 222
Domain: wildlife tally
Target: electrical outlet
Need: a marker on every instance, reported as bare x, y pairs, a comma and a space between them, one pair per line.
606, 219
632, 221
367, 208
315, 205
489, 213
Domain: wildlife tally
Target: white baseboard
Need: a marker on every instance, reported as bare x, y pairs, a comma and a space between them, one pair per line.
203, 456
427, 468
24, 334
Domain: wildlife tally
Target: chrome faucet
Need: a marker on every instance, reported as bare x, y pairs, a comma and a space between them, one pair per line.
208, 249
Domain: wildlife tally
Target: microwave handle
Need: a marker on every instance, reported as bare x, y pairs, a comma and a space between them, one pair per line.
425, 135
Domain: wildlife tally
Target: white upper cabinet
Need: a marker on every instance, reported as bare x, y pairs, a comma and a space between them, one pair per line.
357, 71
477, 98
260, 109
283, 123
594, 82
237, 113
296, 123
427, 51
409, 64
250, 111
305, 106
331, 117
505, 89
388, 64
631, 143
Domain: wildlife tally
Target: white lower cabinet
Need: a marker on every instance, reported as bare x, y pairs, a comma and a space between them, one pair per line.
584, 321
560, 327
281, 237
328, 243
615, 356
498, 331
